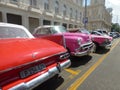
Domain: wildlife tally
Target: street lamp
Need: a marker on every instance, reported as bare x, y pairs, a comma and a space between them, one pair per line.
85, 15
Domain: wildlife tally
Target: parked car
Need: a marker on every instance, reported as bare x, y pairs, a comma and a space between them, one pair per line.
114, 34
27, 61
98, 40
102, 31
98, 33
101, 34
77, 44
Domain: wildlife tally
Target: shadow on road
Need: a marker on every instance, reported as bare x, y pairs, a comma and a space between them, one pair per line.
102, 50
79, 61
51, 84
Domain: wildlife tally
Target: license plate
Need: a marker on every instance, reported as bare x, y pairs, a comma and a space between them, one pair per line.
32, 70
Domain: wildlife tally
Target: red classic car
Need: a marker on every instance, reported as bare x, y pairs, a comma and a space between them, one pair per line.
26, 61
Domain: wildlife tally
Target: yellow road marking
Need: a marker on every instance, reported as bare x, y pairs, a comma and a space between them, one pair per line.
79, 81
72, 71
71, 77
78, 71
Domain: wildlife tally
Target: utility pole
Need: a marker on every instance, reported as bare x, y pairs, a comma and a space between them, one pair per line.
85, 16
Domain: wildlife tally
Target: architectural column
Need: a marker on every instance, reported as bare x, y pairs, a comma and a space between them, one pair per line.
41, 21
4, 16
25, 21
52, 22
67, 25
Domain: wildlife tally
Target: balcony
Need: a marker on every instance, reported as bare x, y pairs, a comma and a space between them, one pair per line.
58, 16
16, 2
48, 13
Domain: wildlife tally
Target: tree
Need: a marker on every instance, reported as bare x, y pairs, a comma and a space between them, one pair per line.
115, 27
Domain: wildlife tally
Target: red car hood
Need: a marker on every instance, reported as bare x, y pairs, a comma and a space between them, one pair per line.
15, 52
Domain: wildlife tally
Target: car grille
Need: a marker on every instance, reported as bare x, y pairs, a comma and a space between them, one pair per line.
87, 46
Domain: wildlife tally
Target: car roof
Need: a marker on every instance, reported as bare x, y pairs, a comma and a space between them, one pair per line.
44, 26
10, 25
47, 26
2, 24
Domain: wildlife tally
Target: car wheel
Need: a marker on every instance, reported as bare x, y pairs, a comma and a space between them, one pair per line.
94, 48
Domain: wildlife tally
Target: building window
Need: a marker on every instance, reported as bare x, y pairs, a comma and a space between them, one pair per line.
33, 3
46, 4
70, 26
56, 7
71, 12
64, 10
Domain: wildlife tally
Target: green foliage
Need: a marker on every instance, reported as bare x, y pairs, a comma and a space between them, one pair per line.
115, 27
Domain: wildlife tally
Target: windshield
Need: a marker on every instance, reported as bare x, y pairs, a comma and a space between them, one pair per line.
11, 32
96, 33
58, 29
85, 31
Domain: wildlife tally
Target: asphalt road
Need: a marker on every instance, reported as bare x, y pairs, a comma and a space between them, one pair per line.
98, 71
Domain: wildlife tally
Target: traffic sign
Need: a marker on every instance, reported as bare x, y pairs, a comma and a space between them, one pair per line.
85, 20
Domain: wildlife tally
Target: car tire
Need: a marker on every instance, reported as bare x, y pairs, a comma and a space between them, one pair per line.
94, 48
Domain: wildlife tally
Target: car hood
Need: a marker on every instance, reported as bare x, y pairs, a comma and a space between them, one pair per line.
106, 36
15, 52
85, 37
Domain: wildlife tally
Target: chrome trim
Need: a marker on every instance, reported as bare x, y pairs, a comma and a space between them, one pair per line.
89, 50
86, 44
66, 64
64, 41
87, 47
64, 56
42, 78
31, 62
82, 53
107, 46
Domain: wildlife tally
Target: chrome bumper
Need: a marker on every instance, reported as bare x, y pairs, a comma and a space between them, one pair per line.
42, 78
82, 53
86, 52
106, 46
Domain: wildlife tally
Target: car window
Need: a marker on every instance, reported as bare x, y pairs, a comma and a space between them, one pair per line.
85, 31
12, 32
43, 31
58, 29
96, 33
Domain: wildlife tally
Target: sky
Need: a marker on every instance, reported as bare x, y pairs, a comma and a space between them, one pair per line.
115, 4
88, 2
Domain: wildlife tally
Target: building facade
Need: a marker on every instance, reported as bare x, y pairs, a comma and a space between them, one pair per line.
98, 15
33, 13
69, 13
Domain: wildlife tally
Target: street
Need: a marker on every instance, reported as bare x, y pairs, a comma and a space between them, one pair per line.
98, 71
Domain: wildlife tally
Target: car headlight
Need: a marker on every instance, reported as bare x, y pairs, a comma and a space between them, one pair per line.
92, 38
79, 41
106, 40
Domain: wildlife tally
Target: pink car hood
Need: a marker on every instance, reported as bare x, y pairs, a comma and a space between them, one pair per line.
85, 38
97, 36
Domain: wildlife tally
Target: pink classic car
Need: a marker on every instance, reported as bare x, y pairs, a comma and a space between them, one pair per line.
77, 44
98, 40
26, 62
